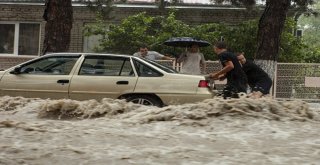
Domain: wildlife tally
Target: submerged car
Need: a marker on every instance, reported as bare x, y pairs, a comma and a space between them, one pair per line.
83, 76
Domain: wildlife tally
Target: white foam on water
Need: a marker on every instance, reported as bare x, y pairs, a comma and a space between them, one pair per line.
215, 131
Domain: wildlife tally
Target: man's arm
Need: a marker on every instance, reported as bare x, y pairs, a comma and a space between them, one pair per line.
167, 58
228, 67
182, 57
160, 56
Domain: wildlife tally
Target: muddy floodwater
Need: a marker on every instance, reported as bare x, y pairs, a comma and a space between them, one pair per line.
212, 132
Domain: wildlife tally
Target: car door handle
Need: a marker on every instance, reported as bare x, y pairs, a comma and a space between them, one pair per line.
63, 81
122, 82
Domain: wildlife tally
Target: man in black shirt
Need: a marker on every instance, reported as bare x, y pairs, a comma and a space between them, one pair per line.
258, 79
236, 78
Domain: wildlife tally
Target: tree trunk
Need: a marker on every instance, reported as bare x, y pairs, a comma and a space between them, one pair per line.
270, 28
58, 14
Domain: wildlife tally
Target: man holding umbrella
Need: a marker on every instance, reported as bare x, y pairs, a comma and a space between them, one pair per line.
192, 61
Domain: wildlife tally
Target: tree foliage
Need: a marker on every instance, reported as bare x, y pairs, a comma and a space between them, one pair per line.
270, 28
126, 37
102, 8
310, 24
139, 29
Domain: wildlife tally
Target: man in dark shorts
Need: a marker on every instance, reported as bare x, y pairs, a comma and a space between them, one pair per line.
258, 79
236, 78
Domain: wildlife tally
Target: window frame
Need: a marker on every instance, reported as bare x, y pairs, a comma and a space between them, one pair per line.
16, 37
137, 65
122, 60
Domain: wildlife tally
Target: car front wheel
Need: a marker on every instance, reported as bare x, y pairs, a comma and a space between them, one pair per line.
147, 100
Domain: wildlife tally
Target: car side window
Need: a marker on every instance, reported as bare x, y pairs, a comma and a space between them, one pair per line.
146, 71
106, 66
57, 65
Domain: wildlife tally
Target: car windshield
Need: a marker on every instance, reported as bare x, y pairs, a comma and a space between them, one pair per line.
162, 67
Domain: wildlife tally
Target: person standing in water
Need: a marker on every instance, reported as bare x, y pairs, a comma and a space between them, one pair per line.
258, 79
236, 78
193, 61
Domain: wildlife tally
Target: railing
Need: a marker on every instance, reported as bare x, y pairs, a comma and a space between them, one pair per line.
292, 80
297, 81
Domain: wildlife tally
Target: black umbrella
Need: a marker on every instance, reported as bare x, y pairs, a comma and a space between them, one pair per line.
185, 42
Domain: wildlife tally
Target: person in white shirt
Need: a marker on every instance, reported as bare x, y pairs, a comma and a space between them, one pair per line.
151, 55
192, 61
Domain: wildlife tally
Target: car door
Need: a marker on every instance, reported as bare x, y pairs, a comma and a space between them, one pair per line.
102, 76
46, 77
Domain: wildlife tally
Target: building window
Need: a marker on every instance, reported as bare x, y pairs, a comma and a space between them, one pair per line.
91, 43
29, 39
7, 38
19, 38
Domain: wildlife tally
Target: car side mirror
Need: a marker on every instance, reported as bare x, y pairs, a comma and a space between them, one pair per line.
16, 70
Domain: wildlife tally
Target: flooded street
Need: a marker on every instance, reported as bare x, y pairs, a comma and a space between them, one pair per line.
215, 131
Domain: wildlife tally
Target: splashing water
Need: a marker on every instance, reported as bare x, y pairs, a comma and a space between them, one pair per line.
214, 131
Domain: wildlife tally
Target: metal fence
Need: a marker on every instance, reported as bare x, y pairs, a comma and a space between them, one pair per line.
297, 81
291, 81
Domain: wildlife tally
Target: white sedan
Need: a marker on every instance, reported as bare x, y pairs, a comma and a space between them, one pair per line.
83, 76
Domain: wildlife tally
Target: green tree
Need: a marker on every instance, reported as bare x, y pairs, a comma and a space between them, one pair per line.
127, 36
243, 37
102, 8
267, 48
310, 24
135, 30
271, 25
291, 48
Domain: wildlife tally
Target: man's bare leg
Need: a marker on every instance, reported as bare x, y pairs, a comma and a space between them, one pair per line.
256, 94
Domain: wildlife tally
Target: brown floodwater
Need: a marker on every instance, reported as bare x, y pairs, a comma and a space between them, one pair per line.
215, 131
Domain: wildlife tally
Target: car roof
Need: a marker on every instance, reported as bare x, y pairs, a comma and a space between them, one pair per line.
96, 54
